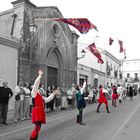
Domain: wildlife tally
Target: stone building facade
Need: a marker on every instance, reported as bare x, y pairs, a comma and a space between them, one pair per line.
131, 72
9, 62
107, 74
53, 48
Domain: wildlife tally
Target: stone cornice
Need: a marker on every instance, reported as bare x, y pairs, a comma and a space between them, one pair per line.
23, 1
7, 12
9, 42
93, 70
111, 56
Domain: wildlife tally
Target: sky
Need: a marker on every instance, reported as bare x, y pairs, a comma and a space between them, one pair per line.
118, 19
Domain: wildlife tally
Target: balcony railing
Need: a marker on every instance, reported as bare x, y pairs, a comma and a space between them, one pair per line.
131, 80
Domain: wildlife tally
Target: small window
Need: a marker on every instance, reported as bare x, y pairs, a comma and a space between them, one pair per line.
136, 75
55, 30
128, 75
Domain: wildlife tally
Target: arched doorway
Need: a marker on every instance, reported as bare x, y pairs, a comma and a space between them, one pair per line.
52, 76
54, 66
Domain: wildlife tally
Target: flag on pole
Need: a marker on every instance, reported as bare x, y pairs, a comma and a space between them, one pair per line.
121, 45
110, 41
124, 53
92, 48
83, 25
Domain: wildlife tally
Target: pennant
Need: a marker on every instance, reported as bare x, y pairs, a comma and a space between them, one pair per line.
124, 53
110, 41
92, 48
83, 25
121, 45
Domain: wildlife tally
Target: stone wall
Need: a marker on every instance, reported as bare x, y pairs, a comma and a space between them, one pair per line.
9, 63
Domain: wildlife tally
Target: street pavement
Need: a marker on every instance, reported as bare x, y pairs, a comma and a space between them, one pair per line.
121, 124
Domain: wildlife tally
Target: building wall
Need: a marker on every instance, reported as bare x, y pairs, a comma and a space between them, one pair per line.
8, 64
131, 67
6, 22
91, 61
53, 45
92, 76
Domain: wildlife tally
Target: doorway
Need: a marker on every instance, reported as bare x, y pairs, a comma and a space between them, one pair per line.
52, 76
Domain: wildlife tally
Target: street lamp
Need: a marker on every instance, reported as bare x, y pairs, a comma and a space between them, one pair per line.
33, 28
82, 53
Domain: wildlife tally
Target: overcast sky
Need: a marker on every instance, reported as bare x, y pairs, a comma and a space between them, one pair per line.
118, 19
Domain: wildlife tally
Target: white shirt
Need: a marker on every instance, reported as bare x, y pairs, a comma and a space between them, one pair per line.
48, 99
17, 90
27, 92
69, 94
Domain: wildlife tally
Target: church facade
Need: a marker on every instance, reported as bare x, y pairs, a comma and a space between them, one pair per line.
53, 48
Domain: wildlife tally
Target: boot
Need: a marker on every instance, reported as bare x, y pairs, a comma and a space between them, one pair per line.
77, 121
112, 103
107, 110
80, 120
33, 138
115, 104
81, 123
98, 107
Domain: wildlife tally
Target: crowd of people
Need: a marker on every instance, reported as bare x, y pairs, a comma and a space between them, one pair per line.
65, 98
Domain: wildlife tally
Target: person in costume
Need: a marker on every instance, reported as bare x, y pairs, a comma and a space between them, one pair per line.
102, 99
114, 96
38, 112
131, 92
80, 102
120, 93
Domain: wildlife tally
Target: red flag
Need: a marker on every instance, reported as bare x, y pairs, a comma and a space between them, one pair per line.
92, 48
83, 25
110, 41
124, 53
121, 45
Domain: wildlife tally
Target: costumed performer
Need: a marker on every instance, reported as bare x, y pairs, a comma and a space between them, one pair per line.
102, 99
38, 110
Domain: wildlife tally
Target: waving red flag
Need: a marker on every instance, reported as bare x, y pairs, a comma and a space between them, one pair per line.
110, 41
92, 48
124, 53
83, 25
121, 45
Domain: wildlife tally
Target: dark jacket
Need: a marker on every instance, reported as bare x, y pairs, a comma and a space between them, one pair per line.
5, 93
131, 92
80, 100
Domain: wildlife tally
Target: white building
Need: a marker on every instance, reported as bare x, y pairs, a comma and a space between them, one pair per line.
131, 71
9, 63
107, 73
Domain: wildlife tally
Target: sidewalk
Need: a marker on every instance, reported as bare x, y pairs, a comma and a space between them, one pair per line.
10, 115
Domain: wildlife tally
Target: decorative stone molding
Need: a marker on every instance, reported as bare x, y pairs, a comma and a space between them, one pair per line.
18, 2
47, 13
10, 42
